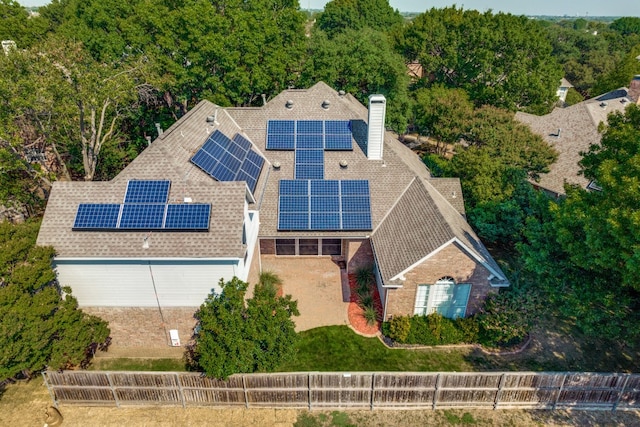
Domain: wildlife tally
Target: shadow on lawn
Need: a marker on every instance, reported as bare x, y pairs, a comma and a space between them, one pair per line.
557, 345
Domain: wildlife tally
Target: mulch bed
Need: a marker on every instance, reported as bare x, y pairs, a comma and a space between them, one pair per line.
356, 313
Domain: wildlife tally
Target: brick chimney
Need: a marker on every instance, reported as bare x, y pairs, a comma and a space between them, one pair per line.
634, 90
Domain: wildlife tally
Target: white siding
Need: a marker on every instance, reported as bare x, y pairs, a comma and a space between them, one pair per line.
131, 283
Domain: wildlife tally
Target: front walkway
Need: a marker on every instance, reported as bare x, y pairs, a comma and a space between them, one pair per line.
317, 283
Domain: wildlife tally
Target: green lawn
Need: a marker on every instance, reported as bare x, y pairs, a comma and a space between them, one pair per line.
338, 348
136, 364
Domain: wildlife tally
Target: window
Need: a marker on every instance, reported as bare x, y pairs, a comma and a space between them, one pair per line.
445, 297
308, 246
285, 246
331, 246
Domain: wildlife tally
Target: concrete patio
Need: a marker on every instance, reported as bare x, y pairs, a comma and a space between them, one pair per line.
319, 286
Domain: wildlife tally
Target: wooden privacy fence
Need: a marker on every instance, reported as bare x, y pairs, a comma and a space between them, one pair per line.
338, 390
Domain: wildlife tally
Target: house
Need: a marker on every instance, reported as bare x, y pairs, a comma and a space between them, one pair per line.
572, 130
313, 172
564, 87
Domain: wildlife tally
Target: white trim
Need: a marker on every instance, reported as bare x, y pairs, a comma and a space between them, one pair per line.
143, 259
466, 249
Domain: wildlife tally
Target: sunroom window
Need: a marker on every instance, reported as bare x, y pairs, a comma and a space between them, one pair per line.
444, 297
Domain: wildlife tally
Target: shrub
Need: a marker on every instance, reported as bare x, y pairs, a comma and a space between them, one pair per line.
371, 315
363, 293
469, 328
505, 318
399, 328
436, 330
364, 278
366, 301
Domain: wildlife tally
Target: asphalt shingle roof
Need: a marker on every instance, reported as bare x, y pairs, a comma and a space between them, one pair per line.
412, 213
578, 125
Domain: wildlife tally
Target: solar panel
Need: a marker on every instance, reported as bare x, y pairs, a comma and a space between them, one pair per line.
290, 187
221, 139
309, 126
337, 127
281, 141
309, 156
96, 216
242, 142
309, 142
338, 142
293, 221
142, 216
356, 221
324, 205
139, 191
325, 221
280, 126
309, 171
188, 217
325, 187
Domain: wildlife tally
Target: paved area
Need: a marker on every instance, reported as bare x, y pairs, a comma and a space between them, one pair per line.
317, 283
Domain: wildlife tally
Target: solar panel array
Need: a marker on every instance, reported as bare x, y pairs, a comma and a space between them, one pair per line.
145, 207
229, 160
293, 134
324, 205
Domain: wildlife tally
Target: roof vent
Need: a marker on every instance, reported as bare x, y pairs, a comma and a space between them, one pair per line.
603, 104
159, 129
343, 163
289, 104
326, 104
264, 99
211, 119
375, 136
342, 93
276, 165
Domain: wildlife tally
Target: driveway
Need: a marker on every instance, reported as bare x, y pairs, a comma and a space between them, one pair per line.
318, 286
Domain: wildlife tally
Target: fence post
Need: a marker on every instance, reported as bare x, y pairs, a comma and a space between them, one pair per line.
181, 390
373, 381
620, 393
113, 390
309, 386
46, 382
435, 392
564, 380
499, 392
244, 387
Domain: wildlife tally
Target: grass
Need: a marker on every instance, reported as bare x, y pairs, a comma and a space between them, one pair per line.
338, 348
137, 364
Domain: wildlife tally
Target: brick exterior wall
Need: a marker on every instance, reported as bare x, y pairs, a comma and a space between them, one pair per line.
142, 327
450, 261
267, 246
359, 254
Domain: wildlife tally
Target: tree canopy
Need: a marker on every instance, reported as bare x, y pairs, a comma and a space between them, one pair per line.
501, 60
40, 323
342, 15
584, 250
234, 338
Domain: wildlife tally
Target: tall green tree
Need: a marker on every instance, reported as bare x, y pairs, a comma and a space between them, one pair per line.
501, 60
585, 251
361, 62
234, 338
40, 323
342, 15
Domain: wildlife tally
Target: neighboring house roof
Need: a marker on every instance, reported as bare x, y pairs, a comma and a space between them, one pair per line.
420, 224
565, 83
413, 214
570, 131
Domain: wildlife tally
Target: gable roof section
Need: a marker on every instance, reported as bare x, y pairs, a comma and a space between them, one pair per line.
223, 240
578, 129
420, 224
